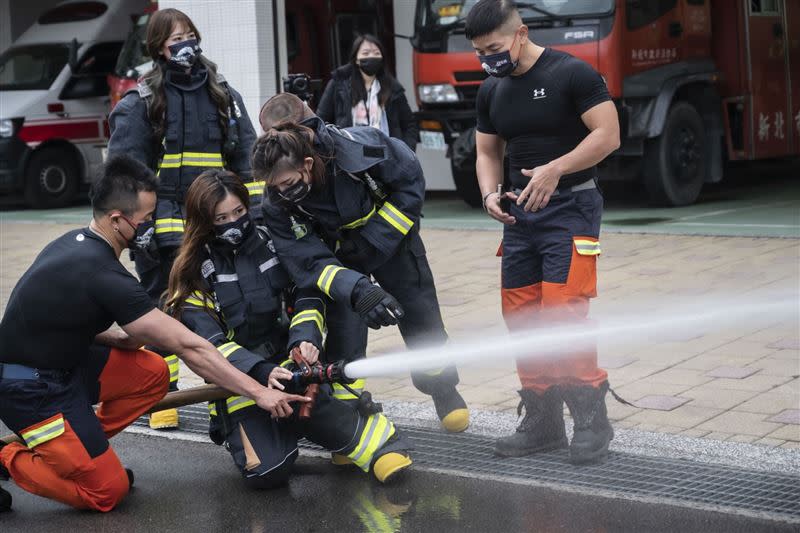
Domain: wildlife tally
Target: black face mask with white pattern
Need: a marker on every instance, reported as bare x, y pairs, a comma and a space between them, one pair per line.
234, 233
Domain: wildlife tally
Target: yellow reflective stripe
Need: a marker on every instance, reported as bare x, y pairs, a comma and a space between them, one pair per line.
255, 187
234, 403
373, 519
199, 303
361, 221
169, 225
174, 367
340, 393
376, 432
326, 278
585, 247
309, 315
228, 348
202, 155
396, 218
191, 159
358, 385
44, 433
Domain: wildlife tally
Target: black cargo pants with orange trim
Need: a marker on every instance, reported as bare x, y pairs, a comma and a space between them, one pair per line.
549, 274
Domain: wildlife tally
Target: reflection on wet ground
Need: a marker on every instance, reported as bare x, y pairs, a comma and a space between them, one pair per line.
192, 486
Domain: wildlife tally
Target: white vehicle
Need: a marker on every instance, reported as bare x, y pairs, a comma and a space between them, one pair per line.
54, 98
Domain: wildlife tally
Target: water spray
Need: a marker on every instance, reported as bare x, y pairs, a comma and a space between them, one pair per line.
555, 339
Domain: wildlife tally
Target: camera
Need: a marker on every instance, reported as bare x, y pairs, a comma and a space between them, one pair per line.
302, 86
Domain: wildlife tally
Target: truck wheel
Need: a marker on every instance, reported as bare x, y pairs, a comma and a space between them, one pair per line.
675, 164
467, 185
51, 179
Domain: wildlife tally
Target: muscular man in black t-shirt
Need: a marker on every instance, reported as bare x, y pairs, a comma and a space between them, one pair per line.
551, 115
58, 356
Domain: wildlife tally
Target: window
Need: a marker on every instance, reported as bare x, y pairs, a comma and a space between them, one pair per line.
89, 79
30, 68
765, 7
640, 13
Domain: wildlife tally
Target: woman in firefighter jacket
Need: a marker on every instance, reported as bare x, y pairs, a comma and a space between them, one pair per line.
345, 204
228, 286
182, 119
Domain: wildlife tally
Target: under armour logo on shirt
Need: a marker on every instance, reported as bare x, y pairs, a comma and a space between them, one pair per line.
539, 93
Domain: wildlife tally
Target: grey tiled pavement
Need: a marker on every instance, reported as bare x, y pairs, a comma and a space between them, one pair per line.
739, 384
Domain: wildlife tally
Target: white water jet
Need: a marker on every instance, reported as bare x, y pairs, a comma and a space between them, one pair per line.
613, 330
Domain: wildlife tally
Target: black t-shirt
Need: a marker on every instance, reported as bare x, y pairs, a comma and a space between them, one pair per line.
539, 113
75, 289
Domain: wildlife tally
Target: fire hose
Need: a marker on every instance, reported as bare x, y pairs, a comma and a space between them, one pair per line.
305, 375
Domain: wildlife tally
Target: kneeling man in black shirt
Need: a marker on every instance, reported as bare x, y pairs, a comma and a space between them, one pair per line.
58, 356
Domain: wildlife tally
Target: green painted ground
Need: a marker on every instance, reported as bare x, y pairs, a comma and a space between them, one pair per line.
754, 201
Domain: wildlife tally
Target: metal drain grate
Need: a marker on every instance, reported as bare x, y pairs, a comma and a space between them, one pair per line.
641, 477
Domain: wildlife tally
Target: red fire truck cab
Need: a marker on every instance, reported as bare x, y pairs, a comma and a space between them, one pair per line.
696, 82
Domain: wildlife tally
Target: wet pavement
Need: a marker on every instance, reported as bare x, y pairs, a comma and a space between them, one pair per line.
193, 486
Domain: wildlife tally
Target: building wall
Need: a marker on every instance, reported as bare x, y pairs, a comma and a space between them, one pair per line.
436, 166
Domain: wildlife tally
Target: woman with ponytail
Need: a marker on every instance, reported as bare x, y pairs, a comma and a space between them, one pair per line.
342, 206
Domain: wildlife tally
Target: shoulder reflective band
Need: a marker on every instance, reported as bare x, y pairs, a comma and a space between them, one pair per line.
586, 247
309, 315
169, 225
44, 431
397, 219
326, 278
255, 188
228, 348
191, 159
174, 367
377, 431
361, 221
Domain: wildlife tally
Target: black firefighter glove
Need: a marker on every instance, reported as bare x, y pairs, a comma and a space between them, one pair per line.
376, 306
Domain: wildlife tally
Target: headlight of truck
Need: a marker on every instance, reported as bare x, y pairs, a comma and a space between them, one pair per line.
437, 94
6, 127
10, 126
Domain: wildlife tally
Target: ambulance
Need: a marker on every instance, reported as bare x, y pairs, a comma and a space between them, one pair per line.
54, 99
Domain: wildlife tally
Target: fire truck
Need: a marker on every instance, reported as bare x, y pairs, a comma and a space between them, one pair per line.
696, 83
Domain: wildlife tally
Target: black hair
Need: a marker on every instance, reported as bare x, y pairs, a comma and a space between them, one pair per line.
487, 16
357, 89
119, 184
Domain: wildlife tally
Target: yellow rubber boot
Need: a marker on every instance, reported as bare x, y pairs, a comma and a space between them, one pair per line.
167, 419
456, 421
389, 465
340, 460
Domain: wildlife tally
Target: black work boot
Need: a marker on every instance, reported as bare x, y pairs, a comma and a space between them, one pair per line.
541, 430
593, 431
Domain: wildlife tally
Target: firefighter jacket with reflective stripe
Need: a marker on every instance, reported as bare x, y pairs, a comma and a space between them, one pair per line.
251, 312
193, 142
372, 196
